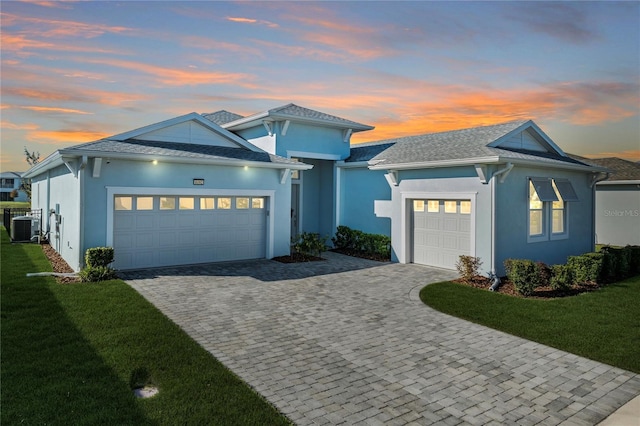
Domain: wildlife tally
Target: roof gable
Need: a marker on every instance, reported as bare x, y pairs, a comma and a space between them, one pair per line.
297, 113
527, 137
222, 117
189, 129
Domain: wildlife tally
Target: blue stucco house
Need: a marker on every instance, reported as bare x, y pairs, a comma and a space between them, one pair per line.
10, 183
220, 186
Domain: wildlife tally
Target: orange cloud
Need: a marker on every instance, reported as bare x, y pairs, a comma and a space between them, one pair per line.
179, 77
59, 28
65, 136
67, 94
631, 155
20, 43
13, 126
252, 21
55, 110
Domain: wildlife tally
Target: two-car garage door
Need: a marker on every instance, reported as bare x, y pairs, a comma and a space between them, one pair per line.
150, 231
441, 231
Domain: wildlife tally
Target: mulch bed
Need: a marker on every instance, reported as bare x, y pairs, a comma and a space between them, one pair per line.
297, 258
58, 264
545, 292
362, 255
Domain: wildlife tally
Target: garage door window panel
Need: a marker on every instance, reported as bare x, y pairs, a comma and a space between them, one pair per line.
418, 205
257, 203
144, 203
242, 203
433, 206
167, 203
450, 207
224, 203
207, 203
123, 203
186, 203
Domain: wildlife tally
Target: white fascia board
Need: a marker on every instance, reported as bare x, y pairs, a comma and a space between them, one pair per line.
52, 161
484, 160
434, 164
256, 119
619, 182
187, 160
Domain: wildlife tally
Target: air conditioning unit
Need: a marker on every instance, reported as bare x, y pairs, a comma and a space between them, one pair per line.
25, 228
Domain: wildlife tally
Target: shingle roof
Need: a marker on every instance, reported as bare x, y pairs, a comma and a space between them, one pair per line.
292, 111
622, 169
179, 150
465, 144
366, 151
222, 117
298, 111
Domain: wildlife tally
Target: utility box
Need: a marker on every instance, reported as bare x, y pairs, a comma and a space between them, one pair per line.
24, 228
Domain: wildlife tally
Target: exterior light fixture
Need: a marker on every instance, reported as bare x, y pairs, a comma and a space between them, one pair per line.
154, 162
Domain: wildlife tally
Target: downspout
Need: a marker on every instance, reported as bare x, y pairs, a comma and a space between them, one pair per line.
594, 181
493, 273
81, 177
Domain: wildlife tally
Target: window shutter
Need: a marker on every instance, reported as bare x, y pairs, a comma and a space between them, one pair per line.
567, 193
544, 189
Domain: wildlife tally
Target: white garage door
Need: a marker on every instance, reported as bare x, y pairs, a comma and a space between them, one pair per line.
441, 231
150, 231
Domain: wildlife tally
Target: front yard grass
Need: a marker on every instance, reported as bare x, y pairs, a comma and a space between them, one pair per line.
72, 352
15, 204
603, 325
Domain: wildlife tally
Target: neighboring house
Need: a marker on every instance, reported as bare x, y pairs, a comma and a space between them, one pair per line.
618, 203
229, 187
10, 182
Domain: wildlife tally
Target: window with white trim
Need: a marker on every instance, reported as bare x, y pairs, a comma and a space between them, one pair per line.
547, 213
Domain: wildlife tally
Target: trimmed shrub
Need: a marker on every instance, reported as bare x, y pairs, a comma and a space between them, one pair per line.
360, 242
561, 277
524, 274
544, 274
587, 267
634, 259
96, 273
309, 243
99, 256
468, 266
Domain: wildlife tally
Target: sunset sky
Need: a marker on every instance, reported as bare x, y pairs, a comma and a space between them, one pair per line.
74, 72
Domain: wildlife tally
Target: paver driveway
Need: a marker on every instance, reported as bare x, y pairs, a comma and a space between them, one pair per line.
347, 341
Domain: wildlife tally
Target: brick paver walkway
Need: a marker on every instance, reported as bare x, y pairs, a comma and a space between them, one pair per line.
347, 341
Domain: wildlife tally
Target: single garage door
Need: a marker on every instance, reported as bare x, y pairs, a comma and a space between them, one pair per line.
150, 231
441, 231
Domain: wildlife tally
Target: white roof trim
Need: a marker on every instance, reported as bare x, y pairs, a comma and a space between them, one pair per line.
619, 182
193, 116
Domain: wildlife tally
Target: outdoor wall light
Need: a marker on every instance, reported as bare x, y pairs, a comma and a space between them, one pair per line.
246, 167
154, 162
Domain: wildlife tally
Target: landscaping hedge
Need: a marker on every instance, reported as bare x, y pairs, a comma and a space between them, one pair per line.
361, 242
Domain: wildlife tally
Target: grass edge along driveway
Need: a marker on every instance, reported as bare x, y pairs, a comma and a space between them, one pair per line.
71, 354
603, 325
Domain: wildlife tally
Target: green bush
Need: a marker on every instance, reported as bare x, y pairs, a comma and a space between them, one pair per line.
309, 243
99, 256
524, 274
96, 273
468, 266
634, 259
561, 277
360, 242
587, 267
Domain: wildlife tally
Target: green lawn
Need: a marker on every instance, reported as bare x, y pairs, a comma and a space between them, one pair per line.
72, 352
15, 204
603, 325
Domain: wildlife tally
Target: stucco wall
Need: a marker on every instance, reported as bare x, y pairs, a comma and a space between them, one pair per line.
359, 188
64, 192
512, 210
452, 183
118, 173
618, 214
